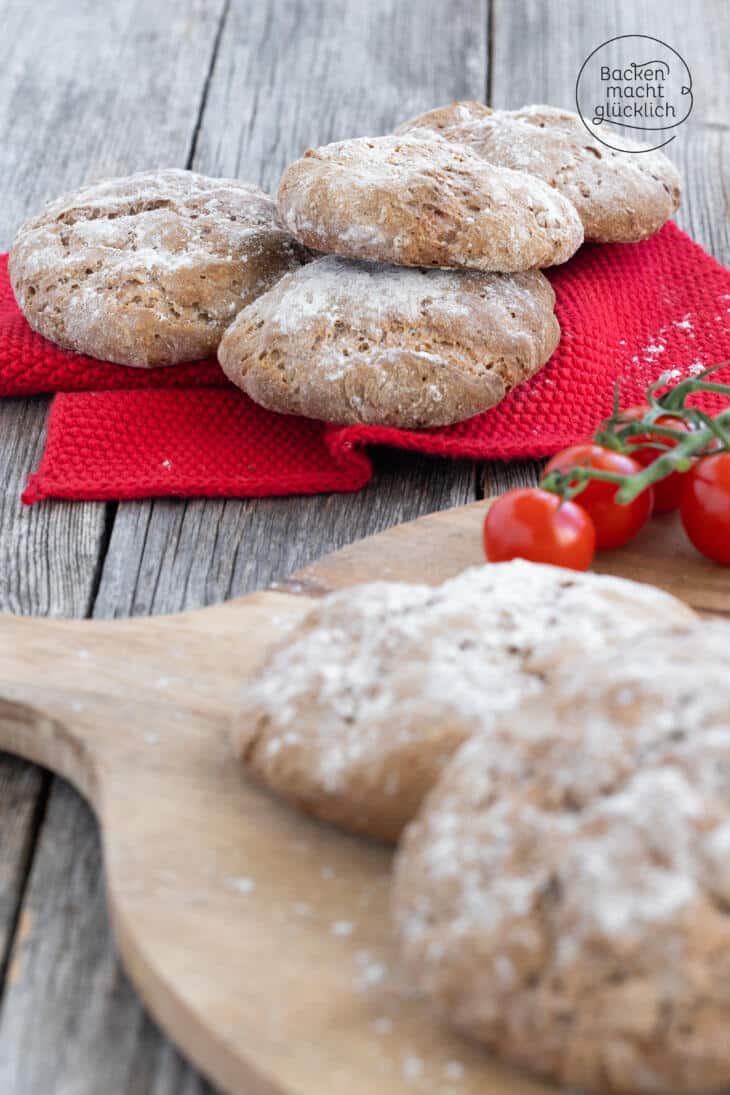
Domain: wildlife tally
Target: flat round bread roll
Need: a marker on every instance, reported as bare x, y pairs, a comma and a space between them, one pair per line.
420, 201
149, 269
620, 196
443, 119
564, 894
357, 342
353, 717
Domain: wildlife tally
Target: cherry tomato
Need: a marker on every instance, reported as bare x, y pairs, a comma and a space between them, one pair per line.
534, 524
705, 506
615, 524
667, 492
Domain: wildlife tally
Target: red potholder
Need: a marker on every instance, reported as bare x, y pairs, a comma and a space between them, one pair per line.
628, 312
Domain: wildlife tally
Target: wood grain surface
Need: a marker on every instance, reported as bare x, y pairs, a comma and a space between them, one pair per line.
225, 85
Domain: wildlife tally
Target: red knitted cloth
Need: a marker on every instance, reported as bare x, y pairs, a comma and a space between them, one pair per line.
628, 312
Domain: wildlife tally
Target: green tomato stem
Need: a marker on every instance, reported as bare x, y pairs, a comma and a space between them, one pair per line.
675, 398
715, 424
679, 457
676, 459
569, 484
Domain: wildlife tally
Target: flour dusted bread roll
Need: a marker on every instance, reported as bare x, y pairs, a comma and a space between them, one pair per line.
419, 201
361, 342
620, 196
564, 894
353, 717
149, 269
443, 120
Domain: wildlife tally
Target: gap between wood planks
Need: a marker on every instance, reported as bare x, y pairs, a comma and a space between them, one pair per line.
25, 860
110, 508
206, 84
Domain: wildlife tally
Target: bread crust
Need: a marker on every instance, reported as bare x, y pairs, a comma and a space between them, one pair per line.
417, 200
621, 197
149, 269
355, 714
353, 342
563, 895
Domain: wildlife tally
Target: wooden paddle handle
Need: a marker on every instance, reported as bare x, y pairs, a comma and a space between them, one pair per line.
29, 731
86, 697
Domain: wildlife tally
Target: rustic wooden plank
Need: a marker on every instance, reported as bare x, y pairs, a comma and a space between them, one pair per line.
188, 554
86, 90
48, 553
703, 157
164, 555
71, 1021
289, 74
294, 73
72, 77
538, 48
23, 795
89, 90
48, 563
537, 51
496, 476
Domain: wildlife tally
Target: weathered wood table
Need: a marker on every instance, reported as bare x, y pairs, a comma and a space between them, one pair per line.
232, 87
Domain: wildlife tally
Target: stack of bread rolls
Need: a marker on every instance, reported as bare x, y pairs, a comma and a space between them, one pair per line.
561, 806
395, 281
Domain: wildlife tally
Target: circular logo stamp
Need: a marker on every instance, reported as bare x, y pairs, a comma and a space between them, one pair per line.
634, 88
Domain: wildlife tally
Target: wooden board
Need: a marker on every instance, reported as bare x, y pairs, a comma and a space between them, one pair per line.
257, 937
